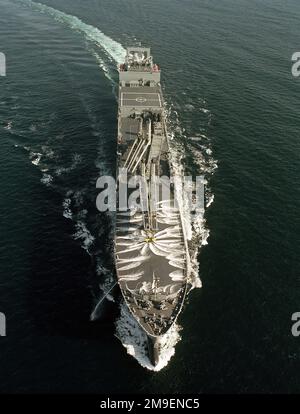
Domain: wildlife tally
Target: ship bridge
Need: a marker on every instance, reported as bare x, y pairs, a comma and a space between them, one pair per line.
139, 69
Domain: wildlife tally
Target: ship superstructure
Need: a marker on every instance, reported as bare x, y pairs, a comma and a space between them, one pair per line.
150, 245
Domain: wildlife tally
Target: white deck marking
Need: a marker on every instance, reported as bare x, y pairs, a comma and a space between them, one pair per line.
159, 100
141, 98
142, 93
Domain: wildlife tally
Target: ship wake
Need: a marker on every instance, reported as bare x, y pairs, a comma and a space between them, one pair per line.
112, 48
128, 330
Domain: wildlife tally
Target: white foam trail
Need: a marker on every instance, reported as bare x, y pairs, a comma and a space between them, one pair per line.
83, 234
108, 282
8, 126
67, 213
76, 160
206, 164
47, 179
35, 157
32, 128
204, 110
103, 66
189, 107
72, 210
114, 49
48, 152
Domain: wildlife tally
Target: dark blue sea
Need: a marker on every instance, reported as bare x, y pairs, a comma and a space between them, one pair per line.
233, 113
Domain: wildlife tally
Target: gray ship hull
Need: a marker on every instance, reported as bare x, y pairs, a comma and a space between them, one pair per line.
151, 254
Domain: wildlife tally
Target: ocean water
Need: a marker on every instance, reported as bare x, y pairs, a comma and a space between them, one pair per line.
233, 110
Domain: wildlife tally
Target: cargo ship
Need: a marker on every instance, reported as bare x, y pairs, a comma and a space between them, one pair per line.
151, 253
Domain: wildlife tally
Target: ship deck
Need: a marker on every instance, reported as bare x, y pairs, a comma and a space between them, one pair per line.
150, 247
